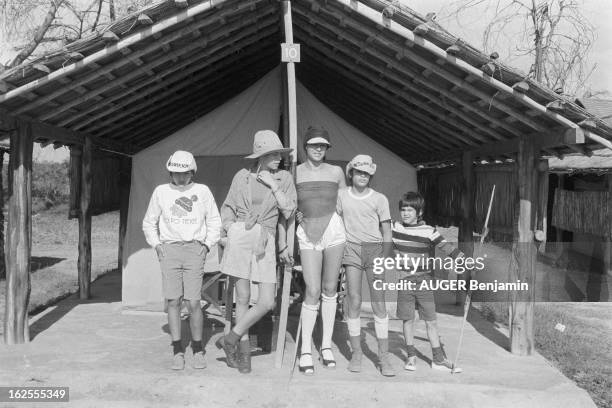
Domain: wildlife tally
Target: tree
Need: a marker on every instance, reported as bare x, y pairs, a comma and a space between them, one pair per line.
554, 36
33, 27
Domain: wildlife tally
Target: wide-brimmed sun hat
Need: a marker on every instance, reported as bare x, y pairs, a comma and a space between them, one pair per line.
316, 136
266, 142
361, 162
181, 162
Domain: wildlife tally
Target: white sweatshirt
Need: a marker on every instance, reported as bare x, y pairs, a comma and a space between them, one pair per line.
181, 214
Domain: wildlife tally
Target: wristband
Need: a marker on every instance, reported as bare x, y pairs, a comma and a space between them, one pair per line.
285, 247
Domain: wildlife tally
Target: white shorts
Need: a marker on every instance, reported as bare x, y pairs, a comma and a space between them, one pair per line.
334, 235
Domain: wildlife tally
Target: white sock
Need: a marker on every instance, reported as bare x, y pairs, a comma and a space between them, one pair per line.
354, 326
328, 315
381, 326
309, 317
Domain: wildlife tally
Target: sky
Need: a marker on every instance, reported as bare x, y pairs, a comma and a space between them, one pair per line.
599, 12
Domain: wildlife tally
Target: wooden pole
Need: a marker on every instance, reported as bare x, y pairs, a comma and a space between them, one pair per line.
524, 253
608, 237
290, 107
75, 181
542, 193
125, 173
19, 239
559, 244
2, 230
466, 225
84, 262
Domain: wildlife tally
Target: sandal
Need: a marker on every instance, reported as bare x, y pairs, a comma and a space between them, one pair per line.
331, 363
306, 370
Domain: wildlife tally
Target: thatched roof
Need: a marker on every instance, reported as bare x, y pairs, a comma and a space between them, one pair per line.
390, 72
599, 162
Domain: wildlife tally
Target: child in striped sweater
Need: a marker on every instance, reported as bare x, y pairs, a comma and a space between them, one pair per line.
415, 239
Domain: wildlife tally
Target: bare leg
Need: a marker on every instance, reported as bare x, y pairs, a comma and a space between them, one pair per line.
332, 261
265, 303
196, 320
409, 332
432, 333
243, 296
174, 318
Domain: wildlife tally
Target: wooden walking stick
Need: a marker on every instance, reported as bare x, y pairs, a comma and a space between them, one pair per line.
297, 343
468, 298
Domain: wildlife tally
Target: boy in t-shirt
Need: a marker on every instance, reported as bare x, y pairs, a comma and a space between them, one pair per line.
367, 221
414, 238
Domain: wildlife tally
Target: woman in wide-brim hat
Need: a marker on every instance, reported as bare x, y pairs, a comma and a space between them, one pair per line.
250, 214
321, 238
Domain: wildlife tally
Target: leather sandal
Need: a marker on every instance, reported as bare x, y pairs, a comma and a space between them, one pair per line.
327, 363
306, 370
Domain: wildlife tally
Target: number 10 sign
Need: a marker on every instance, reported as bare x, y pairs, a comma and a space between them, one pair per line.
290, 52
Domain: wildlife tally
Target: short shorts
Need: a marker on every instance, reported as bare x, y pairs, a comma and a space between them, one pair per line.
362, 255
423, 300
239, 259
334, 235
182, 270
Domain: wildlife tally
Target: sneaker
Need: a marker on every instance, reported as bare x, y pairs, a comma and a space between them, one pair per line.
386, 368
445, 365
410, 364
199, 362
178, 361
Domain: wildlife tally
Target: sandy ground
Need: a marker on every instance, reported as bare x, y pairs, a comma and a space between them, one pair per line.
110, 358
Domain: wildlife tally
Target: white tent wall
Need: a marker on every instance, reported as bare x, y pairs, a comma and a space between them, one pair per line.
220, 140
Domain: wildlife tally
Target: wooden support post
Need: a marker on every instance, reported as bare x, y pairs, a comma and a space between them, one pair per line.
608, 239
75, 181
2, 231
84, 262
524, 253
125, 173
290, 107
542, 194
559, 244
19, 239
466, 225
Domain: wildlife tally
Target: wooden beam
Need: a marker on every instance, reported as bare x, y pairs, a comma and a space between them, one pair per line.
608, 238
217, 34
19, 240
208, 59
383, 89
2, 229
404, 32
524, 253
110, 50
67, 137
183, 69
143, 113
474, 133
84, 261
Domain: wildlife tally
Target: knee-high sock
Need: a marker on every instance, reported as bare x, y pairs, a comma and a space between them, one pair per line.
309, 317
328, 315
381, 326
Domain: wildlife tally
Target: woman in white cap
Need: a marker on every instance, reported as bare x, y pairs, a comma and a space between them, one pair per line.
250, 214
321, 238
367, 220
182, 223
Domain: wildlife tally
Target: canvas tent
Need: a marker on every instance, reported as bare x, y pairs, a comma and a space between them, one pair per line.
220, 140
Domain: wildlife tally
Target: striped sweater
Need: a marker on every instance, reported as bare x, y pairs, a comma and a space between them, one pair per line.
420, 241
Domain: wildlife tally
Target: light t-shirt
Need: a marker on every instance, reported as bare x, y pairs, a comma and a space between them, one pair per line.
182, 214
362, 215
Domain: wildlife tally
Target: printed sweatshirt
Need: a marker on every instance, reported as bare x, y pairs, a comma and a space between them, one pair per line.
182, 214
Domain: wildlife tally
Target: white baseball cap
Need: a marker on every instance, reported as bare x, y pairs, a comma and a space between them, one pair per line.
181, 162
